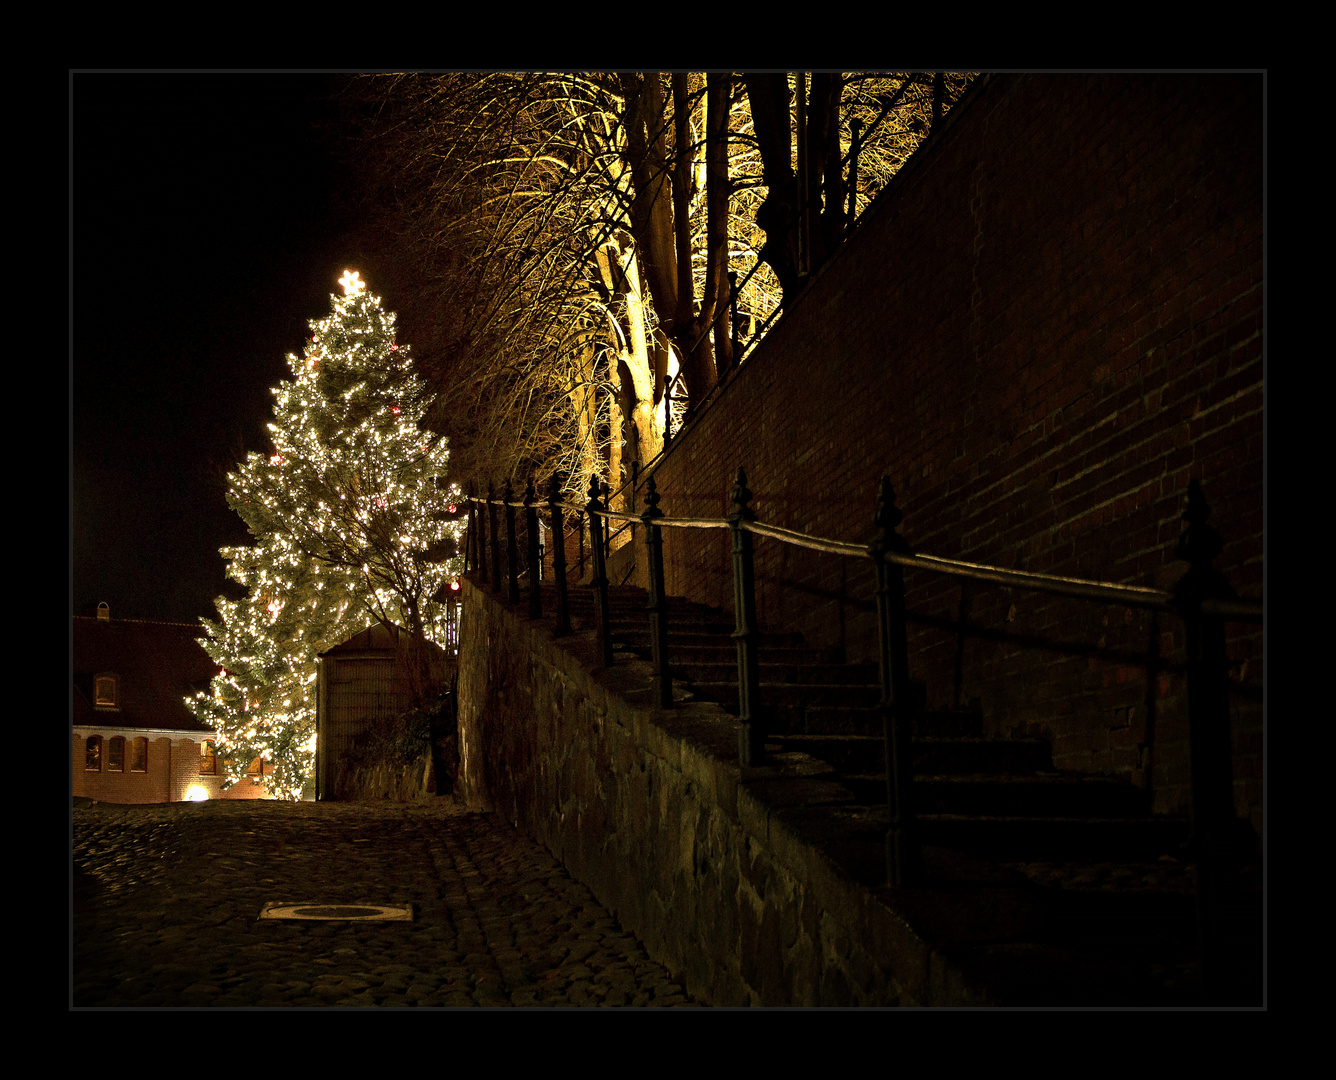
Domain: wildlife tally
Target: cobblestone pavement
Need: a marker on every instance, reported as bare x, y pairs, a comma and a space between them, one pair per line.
167, 898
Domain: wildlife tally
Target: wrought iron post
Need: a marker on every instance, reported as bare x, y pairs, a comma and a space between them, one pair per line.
535, 557
512, 551
496, 539
751, 739
1209, 753
658, 599
903, 856
580, 533
470, 535
607, 526
961, 617
559, 555
600, 578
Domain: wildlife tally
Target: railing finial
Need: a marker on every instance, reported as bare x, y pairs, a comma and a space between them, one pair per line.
742, 495
888, 516
1199, 543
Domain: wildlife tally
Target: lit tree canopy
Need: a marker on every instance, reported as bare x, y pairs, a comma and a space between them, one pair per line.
353, 520
582, 227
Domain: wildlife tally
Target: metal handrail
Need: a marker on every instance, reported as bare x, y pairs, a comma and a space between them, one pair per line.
1201, 598
1241, 610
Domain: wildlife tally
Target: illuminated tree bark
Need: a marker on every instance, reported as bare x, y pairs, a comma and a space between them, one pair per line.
579, 230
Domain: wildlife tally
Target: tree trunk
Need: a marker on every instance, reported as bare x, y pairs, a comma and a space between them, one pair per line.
717, 96
778, 215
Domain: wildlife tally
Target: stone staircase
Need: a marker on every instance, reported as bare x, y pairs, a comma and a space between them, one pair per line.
1048, 888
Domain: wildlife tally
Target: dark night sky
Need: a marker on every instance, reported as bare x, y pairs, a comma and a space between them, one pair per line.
207, 227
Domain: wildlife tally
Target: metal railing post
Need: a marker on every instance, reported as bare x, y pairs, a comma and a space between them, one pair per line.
658, 599
1209, 753
535, 558
496, 539
512, 550
559, 556
580, 532
903, 855
470, 534
600, 578
751, 737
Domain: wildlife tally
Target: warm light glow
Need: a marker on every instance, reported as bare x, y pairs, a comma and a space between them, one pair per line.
197, 793
343, 509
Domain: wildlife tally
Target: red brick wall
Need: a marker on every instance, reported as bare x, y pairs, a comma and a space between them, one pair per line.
1045, 327
173, 769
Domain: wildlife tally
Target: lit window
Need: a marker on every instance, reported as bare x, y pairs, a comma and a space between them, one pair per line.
93, 753
105, 696
208, 759
139, 761
116, 755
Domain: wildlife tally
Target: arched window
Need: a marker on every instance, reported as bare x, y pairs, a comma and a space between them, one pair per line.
208, 759
116, 755
139, 759
93, 754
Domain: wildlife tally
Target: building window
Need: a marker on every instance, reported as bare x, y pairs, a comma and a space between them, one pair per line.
208, 759
105, 692
93, 754
139, 761
116, 755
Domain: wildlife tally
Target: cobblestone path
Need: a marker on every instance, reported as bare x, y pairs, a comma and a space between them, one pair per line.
167, 898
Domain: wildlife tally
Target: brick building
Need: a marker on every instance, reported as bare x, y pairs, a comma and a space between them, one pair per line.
1045, 326
133, 739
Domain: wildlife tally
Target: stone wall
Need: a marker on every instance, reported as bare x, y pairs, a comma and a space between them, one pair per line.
651, 811
1046, 325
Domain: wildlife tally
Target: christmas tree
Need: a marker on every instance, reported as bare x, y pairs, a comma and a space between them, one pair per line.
353, 521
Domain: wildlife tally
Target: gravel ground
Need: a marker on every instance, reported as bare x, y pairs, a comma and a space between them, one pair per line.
167, 898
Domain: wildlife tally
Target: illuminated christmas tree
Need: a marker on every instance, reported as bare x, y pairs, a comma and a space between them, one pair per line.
353, 521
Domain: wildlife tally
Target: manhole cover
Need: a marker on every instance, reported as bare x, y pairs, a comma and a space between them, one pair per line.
351, 912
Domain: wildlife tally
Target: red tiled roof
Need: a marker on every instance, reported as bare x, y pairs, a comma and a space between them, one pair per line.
157, 664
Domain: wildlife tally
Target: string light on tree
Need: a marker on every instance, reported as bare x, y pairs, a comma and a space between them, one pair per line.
343, 511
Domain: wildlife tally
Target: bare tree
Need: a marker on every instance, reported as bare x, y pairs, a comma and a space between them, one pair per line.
573, 235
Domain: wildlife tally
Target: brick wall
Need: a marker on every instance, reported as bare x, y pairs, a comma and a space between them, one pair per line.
1047, 324
173, 769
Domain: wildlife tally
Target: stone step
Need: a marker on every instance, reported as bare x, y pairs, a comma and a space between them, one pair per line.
997, 841
932, 755
1036, 795
726, 652
866, 720
699, 674
702, 635
1001, 836
791, 695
